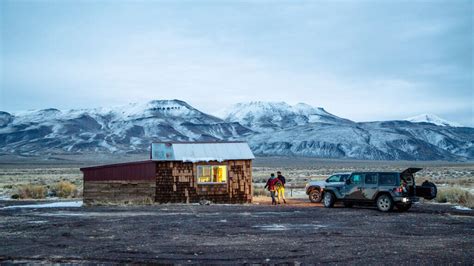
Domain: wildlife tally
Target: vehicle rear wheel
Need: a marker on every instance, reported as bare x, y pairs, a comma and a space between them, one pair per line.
403, 207
384, 203
348, 204
329, 200
315, 196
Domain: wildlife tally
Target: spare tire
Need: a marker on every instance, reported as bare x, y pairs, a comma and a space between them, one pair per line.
433, 189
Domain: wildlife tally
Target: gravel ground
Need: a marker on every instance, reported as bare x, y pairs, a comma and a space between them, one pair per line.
299, 232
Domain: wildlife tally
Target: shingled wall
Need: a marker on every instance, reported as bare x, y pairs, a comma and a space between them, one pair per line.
176, 182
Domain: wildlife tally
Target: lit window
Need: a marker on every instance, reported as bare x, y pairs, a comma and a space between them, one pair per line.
212, 173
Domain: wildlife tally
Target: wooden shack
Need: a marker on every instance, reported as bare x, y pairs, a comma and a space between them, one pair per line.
177, 172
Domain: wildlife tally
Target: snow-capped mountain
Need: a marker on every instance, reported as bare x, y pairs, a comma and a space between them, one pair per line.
129, 128
432, 119
272, 116
272, 129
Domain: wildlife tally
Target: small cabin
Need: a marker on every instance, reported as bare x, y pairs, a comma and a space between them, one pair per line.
177, 172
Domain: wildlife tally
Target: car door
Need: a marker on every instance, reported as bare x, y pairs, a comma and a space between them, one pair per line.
353, 188
333, 179
370, 187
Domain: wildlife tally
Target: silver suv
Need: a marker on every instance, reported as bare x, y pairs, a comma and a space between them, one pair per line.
314, 189
384, 189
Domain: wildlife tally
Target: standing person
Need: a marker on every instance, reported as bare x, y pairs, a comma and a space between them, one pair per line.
281, 190
271, 187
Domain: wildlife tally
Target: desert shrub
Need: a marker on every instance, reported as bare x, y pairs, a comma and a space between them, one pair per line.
31, 191
455, 195
259, 191
64, 189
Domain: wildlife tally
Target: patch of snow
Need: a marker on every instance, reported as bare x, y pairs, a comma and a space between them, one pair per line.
462, 208
66, 204
203, 159
286, 227
107, 146
433, 119
5, 197
37, 222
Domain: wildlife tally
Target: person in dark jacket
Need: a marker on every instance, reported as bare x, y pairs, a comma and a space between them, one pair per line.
281, 190
282, 178
270, 185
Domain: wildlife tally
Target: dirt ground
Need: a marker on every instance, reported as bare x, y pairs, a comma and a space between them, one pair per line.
299, 232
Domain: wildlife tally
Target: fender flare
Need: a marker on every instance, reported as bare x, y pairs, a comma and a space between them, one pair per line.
311, 188
382, 193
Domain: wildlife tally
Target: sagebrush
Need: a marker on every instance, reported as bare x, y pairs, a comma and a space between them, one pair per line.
455, 195
32, 191
64, 189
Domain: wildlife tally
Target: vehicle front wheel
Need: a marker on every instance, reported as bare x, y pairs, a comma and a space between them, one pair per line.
403, 207
329, 200
384, 203
315, 196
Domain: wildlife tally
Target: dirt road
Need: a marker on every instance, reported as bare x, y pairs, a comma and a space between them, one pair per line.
260, 233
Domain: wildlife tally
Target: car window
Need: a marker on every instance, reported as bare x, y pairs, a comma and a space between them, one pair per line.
371, 178
334, 178
356, 178
343, 178
388, 179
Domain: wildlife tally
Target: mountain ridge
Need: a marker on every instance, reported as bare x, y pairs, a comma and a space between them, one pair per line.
271, 128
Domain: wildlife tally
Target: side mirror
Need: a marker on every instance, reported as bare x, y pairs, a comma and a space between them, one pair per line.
348, 181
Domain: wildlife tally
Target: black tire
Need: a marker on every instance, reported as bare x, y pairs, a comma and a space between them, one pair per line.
434, 190
403, 207
348, 204
329, 199
384, 203
315, 196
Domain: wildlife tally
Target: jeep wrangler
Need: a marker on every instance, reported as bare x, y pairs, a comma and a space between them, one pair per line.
314, 189
384, 189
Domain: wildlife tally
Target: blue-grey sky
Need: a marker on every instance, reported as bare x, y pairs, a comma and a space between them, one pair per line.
362, 60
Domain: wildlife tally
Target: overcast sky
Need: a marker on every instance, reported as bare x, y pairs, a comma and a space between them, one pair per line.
362, 60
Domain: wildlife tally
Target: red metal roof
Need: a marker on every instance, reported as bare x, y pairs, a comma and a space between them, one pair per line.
144, 170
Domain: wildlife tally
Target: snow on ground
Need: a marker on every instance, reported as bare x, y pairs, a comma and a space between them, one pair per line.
462, 208
66, 204
286, 227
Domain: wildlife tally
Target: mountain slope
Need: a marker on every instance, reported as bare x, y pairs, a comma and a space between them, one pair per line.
120, 129
272, 129
272, 116
392, 140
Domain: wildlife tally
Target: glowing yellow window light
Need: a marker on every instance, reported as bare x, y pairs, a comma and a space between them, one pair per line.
212, 173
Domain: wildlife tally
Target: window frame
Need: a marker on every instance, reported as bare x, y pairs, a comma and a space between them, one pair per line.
373, 174
396, 178
211, 166
339, 178
344, 177
362, 176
